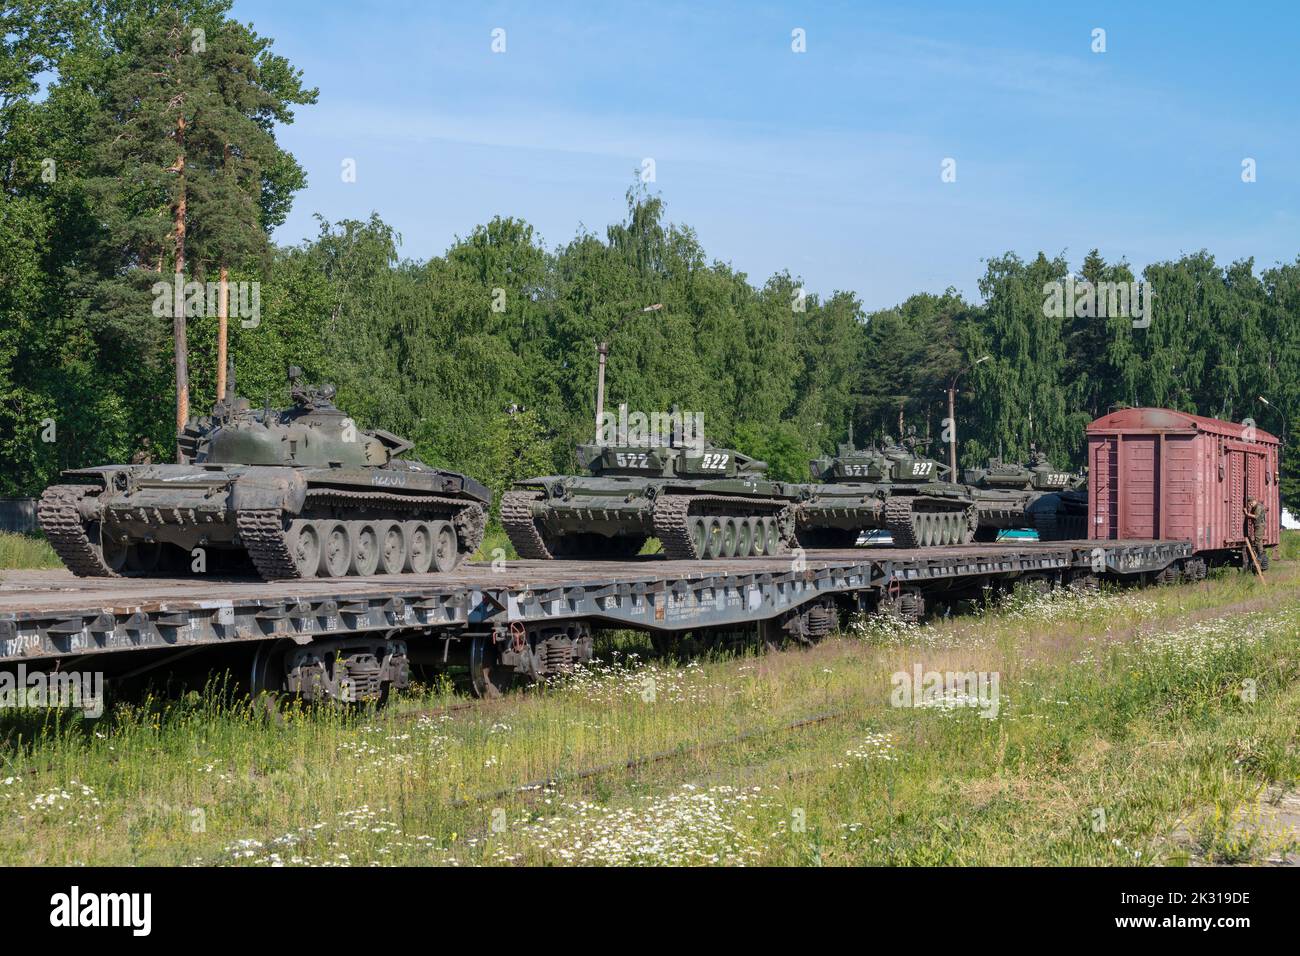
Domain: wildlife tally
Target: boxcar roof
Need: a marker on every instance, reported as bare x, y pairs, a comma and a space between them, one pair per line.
1166, 419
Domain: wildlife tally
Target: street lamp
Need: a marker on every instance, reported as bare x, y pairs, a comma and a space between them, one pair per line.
1280, 414
602, 350
952, 415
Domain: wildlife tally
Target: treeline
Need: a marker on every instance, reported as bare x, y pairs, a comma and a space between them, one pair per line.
486, 355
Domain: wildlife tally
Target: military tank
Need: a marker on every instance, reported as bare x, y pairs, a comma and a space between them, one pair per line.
1035, 494
893, 487
299, 493
703, 502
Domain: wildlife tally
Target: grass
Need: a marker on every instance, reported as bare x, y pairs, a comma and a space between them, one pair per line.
19, 551
1289, 546
1132, 728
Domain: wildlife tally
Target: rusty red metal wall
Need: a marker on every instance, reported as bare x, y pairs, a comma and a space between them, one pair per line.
1158, 473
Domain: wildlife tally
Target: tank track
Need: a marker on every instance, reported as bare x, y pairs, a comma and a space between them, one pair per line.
262, 532
1053, 526
898, 518
265, 537
59, 518
672, 528
521, 529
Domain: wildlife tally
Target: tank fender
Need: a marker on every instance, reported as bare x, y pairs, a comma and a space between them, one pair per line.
265, 488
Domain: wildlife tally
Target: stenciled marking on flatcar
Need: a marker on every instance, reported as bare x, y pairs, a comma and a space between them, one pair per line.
22, 643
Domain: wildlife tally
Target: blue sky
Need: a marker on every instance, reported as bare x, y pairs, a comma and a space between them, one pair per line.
825, 162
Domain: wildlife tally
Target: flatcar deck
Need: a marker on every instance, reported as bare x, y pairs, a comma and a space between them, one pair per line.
52, 614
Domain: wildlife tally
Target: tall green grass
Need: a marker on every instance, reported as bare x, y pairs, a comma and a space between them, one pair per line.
21, 551
1289, 546
1124, 735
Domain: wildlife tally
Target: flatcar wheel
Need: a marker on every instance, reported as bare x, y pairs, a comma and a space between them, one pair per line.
336, 549
713, 546
445, 549
363, 541
392, 558
487, 677
730, 538
419, 547
266, 673
304, 548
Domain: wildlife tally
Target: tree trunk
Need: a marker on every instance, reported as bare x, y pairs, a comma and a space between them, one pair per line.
223, 316
223, 304
178, 310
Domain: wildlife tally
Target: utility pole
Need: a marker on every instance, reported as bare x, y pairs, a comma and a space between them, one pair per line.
952, 415
602, 353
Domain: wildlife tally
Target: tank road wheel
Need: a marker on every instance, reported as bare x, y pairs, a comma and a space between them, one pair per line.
336, 549
305, 548
730, 537
115, 551
419, 546
713, 544
446, 553
143, 557
700, 534
744, 537
760, 536
363, 542
771, 537
392, 548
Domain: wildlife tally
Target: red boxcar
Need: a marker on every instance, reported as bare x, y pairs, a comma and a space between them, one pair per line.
1157, 473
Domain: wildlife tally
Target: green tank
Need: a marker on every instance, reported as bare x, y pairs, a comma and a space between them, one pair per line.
894, 488
705, 502
297, 493
1035, 494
